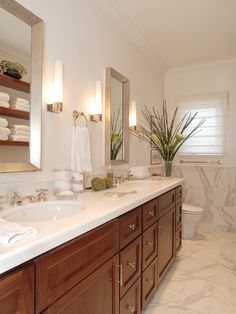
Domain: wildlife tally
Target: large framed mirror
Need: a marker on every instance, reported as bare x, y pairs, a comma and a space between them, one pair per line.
21, 42
117, 89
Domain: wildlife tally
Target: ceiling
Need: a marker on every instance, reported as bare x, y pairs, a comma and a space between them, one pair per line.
178, 32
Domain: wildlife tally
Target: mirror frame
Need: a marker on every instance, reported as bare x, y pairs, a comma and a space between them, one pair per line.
36, 24
111, 73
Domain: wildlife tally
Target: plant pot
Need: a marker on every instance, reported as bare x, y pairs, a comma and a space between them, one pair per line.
13, 74
168, 168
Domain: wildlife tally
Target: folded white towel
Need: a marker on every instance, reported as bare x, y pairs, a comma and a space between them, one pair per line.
3, 122
80, 150
17, 132
20, 138
11, 232
3, 137
21, 101
4, 96
19, 127
4, 103
4, 131
20, 107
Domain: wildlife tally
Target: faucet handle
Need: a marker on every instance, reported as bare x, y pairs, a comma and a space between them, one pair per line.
16, 199
41, 196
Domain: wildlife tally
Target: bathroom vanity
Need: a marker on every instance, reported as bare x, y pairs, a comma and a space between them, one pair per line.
112, 268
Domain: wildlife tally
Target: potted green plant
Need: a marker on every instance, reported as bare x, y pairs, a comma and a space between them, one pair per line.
166, 135
12, 69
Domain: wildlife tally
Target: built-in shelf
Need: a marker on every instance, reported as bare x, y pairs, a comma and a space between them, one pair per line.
14, 143
14, 113
13, 83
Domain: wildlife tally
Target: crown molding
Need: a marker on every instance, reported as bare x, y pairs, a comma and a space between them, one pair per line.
115, 12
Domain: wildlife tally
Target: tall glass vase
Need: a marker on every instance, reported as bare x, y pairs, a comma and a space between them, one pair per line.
168, 168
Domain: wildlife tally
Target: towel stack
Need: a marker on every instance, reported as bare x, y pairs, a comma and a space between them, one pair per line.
4, 100
19, 133
4, 131
21, 104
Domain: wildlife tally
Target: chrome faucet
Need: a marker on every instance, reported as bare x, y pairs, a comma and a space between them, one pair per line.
41, 196
16, 199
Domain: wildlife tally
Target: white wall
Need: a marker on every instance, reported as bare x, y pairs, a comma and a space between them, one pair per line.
212, 187
87, 41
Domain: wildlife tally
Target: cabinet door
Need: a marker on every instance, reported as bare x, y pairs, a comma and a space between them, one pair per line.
97, 294
166, 244
17, 291
131, 302
130, 261
149, 245
149, 282
178, 216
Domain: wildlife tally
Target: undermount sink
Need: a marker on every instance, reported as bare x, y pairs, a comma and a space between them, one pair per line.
47, 211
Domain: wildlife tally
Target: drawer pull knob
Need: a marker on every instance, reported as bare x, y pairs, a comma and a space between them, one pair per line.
131, 264
131, 308
132, 227
150, 280
151, 213
150, 243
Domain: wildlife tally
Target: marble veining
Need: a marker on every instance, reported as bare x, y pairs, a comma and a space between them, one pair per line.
202, 280
214, 189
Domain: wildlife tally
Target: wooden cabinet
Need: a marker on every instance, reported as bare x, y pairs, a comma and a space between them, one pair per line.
130, 261
97, 294
130, 226
112, 269
166, 242
131, 302
17, 291
63, 268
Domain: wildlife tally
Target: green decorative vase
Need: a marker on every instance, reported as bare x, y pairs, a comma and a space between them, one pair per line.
168, 168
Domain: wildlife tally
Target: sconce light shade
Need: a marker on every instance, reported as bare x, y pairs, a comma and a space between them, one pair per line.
96, 113
57, 105
133, 115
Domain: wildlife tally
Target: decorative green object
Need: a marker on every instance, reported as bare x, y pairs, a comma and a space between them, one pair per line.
166, 136
99, 184
116, 135
12, 69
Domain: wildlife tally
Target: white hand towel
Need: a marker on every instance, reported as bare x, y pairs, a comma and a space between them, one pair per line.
4, 131
80, 150
19, 127
11, 232
4, 103
21, 101
3, 122
20, 107
17, 132
3, 137
19, 138
4, 96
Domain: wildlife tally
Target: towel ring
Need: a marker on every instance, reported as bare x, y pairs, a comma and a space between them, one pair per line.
77, 115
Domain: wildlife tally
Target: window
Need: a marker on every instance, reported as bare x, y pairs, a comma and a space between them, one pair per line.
210, 139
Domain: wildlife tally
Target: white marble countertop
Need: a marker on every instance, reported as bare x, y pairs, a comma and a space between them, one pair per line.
98, 210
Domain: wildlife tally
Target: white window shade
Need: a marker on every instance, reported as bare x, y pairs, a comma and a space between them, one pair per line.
210, 138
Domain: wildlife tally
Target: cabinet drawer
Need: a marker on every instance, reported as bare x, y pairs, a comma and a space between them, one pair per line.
149, 282
17, 291
178, 216
149, 245
130, 261
131, 302
178, 240
130, 226
166, 202
178, 194
98, 293
150, 213
63, 268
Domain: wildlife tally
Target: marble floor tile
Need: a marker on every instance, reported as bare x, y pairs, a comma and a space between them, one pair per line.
202, 280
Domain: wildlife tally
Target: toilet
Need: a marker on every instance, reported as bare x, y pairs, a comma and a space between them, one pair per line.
191, 215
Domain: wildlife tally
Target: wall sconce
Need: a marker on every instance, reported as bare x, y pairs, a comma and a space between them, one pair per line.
133, 116
57, 105
96, 110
